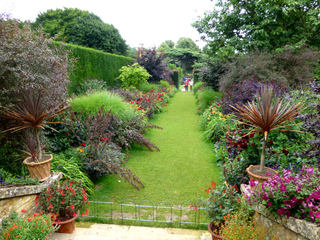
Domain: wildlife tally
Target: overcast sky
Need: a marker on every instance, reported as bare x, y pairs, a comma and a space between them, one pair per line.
148, 22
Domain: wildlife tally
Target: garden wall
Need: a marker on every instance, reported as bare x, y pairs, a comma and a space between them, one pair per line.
18, 198
95, 64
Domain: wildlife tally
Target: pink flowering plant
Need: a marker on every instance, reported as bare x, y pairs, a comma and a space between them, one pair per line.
291, 194
63, 200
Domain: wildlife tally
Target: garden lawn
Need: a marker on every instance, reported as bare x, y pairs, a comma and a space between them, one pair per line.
182, 169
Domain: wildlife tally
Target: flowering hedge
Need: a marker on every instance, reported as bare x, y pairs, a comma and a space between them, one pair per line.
290, 194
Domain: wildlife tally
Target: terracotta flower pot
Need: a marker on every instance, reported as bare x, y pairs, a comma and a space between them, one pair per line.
41, 169
215, 236
253, 176
67, 226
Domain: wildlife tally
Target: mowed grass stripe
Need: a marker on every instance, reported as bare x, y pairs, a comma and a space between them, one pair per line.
180, 171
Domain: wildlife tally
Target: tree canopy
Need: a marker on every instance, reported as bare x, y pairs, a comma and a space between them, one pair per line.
241, 26
82, 28
187, 43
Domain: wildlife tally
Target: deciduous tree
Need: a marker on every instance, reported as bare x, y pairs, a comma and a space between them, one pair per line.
241, 26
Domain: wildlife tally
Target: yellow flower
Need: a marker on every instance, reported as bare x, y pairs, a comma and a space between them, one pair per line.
208, 118
213, 112
80, 150
220, 114
223, 119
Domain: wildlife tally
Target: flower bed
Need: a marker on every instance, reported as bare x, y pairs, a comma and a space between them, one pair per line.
290, 201
283, 227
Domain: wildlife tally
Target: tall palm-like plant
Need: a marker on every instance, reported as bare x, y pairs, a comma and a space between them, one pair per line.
268, 113
32, 112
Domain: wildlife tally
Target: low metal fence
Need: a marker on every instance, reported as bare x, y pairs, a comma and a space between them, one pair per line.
146, 211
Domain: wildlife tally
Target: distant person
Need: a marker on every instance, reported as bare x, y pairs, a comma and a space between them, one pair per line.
186, 84
191, 84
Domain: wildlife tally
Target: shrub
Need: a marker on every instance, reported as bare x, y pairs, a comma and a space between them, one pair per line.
133, 76
91, 104
312, 124
287, 68
164, 83
29, 60
206, 97
100, 156
148, 87
153, 62
91, 85
197, 86
244, 92
70, 164
210, 73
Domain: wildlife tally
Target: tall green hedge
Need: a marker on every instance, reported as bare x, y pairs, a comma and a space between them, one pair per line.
95, 64
195, 76
174, 74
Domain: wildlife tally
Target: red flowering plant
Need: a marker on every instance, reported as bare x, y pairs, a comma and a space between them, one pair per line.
223, 199
63, 200
290, 194
37, 225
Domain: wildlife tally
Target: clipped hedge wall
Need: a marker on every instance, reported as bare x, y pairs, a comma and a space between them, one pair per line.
174, 74
95, 64
195, 76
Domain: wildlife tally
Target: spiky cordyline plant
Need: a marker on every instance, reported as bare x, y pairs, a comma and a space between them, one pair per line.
32, 112
267, 114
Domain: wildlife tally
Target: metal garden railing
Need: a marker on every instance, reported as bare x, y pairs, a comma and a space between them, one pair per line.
162, 212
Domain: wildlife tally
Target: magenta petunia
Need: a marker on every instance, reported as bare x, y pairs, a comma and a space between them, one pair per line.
253, 183
283, 188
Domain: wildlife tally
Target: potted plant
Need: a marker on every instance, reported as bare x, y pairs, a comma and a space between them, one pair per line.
222, 200
34, 113
268, 113
64, 201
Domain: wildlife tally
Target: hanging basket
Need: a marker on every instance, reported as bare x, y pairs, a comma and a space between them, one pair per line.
40, 170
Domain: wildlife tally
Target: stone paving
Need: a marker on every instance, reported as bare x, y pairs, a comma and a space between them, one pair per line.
120, 232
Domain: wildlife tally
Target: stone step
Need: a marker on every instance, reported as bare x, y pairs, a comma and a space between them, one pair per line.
119, 232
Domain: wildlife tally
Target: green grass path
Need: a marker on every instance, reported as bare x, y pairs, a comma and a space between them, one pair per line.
180, 171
